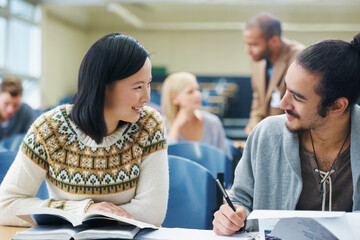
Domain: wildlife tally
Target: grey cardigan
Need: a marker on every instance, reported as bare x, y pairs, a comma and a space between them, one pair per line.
268, 175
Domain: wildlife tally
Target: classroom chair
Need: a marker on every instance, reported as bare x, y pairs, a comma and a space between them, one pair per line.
236, 153
212, 158
192, 195
13, 142
6, 159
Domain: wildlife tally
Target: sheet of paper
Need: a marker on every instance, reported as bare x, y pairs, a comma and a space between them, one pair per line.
190, 234
266, 225
341, 226
263, 214
302, 229
353, 219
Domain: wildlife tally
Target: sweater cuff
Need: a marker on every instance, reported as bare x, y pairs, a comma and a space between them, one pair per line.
78, 207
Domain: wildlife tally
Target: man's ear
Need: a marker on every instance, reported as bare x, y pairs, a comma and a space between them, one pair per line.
274, 40
339, 106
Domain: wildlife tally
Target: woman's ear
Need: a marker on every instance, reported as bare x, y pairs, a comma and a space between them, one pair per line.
339, 106
174, 99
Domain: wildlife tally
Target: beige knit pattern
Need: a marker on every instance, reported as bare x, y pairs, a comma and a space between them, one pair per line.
76, 168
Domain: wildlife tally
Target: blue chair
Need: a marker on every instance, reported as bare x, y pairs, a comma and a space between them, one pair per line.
66, 99
208, 156
13, 142
235, 152
192, 196
6, 159
232, 147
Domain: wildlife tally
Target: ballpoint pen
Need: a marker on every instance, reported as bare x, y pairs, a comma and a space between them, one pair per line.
226, 196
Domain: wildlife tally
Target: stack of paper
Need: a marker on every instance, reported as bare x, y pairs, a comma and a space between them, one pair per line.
302, 225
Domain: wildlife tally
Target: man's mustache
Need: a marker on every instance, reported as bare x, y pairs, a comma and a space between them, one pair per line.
292, 114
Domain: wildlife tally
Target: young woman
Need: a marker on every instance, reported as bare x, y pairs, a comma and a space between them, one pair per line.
181, 103
106, 151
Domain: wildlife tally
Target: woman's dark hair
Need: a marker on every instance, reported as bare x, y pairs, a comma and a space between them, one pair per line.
338, 64
111, 58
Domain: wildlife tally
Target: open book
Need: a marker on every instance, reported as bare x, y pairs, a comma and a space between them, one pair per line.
67, 232
54, 223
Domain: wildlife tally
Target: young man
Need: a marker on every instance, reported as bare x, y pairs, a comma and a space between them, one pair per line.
309, 158
15, 117
271, 56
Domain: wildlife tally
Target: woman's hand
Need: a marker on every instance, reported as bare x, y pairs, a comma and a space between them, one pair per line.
110, 208
182, 117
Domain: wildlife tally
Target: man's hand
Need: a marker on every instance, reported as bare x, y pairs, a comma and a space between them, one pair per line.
110, 208
227, 222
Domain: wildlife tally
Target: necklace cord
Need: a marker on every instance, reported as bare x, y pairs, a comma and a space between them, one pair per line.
326, 176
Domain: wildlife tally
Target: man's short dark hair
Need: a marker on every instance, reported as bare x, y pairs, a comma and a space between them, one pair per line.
11, 85
337, 63
269, 24
110, 59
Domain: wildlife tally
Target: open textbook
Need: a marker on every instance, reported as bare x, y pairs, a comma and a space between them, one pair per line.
68, 232
54, 224
306, 225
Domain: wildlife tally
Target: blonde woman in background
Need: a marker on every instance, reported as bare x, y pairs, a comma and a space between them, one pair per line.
181, 105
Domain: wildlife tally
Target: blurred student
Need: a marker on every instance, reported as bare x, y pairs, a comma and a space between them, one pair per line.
309, 157
181, 103
104, 152
15, 116
271, 56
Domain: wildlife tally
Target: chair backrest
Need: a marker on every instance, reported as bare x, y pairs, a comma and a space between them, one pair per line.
192, 195
6, 159
212, 158
13, 142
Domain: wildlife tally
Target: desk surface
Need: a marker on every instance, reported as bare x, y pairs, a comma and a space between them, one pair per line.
7, 233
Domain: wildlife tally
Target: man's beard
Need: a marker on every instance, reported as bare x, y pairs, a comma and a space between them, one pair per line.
295, 130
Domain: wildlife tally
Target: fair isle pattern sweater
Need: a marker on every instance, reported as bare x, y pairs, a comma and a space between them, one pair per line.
129, 168
75, 168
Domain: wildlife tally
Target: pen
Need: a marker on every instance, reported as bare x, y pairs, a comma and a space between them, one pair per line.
226, 196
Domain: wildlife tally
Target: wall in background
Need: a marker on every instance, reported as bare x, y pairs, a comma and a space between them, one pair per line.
205, 52
63, 47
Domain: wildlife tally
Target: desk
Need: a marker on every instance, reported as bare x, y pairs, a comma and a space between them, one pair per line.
6, 233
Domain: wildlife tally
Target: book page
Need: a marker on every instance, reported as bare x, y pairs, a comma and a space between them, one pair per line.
48, 232
108, 232
46, 216
108, 216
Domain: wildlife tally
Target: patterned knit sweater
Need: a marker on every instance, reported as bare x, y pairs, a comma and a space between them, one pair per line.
129, 168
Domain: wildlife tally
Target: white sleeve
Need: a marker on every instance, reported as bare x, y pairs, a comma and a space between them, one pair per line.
19, 187
150, 202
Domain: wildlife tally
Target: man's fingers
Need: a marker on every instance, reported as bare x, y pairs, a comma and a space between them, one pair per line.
226, 221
